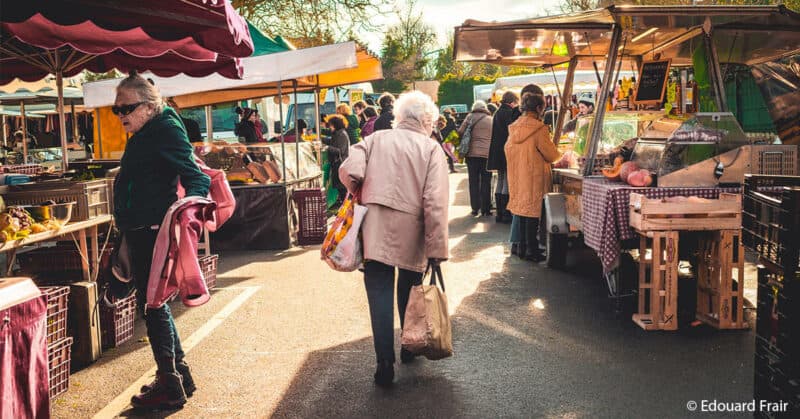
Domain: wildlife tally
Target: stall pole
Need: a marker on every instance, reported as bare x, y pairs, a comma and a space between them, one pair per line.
716, 75
297, 138
318, 125
62, 124
283, 144
24, 133
98, 141
600, 111
209, 125
565, 97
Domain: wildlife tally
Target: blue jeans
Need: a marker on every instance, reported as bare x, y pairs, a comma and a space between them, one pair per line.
161, 331
379, 281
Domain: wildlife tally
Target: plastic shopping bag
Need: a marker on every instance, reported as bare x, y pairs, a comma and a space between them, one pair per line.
342, 246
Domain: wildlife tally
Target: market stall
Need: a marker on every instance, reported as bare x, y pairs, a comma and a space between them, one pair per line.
670, 131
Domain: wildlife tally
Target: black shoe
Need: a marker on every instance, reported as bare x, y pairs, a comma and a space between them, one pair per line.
186, 379
514, 248
535, 257
474, 212
406, 356
486, 213
166, 393
384, 374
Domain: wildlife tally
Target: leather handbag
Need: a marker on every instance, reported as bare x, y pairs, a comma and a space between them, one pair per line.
426, 325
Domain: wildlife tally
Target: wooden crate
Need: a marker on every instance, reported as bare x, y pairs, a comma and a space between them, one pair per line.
724, 213
91, 197
720, 280
658, 281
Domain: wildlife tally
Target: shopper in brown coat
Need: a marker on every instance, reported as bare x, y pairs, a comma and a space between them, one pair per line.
402, 174
529, 154
479, 122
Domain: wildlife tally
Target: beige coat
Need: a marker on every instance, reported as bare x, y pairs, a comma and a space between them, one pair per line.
404, 183
481, 136
529, 152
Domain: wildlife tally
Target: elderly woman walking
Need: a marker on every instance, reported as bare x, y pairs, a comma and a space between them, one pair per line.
402, 175
479, 123
529, 153
157, 156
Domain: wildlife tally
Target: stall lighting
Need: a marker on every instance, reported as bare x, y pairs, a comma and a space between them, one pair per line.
643, 34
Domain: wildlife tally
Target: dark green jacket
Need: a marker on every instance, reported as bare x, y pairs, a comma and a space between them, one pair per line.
155, 157
353, 131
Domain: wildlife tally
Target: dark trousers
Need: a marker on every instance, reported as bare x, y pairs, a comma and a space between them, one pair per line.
480, 184
161, 331
530, 234
379, 281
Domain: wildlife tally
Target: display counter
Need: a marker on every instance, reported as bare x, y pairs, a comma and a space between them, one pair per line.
264, 218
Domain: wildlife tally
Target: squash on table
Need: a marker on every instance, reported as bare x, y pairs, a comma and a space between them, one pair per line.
612, 173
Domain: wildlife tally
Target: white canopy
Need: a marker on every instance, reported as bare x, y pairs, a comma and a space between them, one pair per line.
270, 68
585, 81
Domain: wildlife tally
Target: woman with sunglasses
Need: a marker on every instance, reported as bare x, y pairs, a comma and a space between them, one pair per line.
157, 156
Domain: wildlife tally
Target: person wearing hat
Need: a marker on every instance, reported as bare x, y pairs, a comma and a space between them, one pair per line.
585, 107
246, 128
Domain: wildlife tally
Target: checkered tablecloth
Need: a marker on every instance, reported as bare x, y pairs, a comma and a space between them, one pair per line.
605, 207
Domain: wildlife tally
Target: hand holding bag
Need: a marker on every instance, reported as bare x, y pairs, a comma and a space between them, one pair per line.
342, 246
426, 325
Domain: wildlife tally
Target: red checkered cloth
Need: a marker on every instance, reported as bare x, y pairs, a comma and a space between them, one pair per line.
605, 207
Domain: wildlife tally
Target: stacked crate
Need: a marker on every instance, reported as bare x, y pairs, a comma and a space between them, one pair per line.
58, 344
772, 225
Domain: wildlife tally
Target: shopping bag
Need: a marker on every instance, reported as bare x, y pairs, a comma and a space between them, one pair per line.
426, 325
341, 248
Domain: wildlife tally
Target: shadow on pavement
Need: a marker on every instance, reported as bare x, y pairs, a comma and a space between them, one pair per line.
534, 342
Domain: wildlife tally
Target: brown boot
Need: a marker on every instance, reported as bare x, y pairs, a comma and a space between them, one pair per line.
186, 379
166, 393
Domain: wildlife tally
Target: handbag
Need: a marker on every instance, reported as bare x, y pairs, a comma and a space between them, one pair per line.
426, 325
342, 249
463, 148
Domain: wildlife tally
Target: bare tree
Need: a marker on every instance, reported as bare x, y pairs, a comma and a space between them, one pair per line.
408, 45
312, 22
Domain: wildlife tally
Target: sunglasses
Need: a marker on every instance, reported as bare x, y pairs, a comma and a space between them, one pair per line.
124, 110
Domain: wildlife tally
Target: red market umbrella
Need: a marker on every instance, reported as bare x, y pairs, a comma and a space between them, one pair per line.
196, 37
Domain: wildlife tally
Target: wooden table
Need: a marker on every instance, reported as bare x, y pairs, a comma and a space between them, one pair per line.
82, 229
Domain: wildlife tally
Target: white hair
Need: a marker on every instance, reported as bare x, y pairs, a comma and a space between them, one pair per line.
416, 108
479, 104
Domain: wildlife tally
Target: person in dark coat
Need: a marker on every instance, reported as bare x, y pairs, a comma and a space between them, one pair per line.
338, 150
246, 128
505, 115
386, 102
192, 127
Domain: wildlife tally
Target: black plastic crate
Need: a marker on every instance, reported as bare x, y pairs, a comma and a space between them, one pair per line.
771, 220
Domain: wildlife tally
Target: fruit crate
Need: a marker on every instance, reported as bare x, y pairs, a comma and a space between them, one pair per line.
311, 208
775, 160
58, 357
116, 320
208, 266
91, 196
771, 220
57, 307
60, 259
655, 214
25, 169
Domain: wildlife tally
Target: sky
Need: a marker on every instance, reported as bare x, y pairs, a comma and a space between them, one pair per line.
444, 15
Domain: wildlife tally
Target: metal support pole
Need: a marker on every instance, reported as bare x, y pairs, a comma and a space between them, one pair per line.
99, 140
297, 138
600, 104
209, 124
62, 124
318, 124
566, 95
24, 133
283, 144
716, 74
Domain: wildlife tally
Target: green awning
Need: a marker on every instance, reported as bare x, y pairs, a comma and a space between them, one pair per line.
263, 44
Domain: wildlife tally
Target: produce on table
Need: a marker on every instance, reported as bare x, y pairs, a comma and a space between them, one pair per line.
612, 173
16, 223
626, 169
641, 177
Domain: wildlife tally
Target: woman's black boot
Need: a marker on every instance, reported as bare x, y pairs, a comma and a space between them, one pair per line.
384, 374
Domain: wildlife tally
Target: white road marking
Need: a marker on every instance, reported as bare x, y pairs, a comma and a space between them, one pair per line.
121, 402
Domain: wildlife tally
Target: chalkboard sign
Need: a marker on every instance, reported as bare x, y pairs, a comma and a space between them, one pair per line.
652, 82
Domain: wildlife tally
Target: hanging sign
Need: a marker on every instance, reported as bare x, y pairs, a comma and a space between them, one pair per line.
652, 82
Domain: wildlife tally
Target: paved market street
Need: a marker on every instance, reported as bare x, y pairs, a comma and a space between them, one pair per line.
284, 336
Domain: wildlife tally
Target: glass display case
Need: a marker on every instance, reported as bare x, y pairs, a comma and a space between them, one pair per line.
702, 137
296, 161
618, 127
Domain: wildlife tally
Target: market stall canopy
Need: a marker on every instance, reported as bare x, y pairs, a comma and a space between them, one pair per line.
260, 77
65, 37
743, 34
72, 95
369, 69
584, 81
35, 86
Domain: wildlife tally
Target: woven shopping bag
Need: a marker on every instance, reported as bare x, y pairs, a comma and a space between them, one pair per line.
426, 325
342, 248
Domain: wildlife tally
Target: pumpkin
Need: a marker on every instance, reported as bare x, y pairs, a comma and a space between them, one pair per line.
612, 173
627, 168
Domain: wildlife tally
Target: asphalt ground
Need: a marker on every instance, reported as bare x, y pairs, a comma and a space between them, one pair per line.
285, 336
